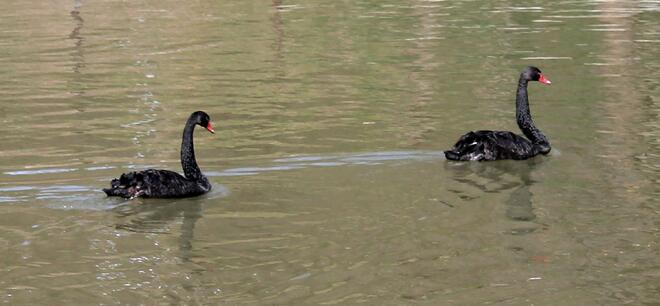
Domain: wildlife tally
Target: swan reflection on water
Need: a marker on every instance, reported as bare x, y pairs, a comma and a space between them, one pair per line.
157, 216
495, 177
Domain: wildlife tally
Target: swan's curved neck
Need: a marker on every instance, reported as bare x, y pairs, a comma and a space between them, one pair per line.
524, 117
188, 161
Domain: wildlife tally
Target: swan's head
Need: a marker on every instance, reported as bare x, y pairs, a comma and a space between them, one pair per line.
203, 119
534, 74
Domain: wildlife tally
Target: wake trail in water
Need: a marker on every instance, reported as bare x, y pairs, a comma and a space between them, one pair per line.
334, 160
86, 197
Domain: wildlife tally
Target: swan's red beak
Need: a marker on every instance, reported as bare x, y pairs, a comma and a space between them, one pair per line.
543, 80
210, 128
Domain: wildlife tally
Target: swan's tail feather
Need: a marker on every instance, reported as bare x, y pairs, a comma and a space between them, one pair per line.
469, 147
452, 155
123, 192
116, 192
127, 186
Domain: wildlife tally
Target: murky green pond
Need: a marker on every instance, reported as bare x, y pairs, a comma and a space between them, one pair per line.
330, 186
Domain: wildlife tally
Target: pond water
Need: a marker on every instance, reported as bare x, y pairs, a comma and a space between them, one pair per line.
330, 186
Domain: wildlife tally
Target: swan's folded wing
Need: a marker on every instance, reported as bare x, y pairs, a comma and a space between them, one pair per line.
510, 145
169, 184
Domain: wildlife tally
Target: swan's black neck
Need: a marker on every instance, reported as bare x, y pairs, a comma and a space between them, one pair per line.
188, 161
524, 118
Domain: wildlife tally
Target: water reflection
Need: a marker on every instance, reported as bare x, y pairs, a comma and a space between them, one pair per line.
498, 177
159, 216
77, 54
278, 29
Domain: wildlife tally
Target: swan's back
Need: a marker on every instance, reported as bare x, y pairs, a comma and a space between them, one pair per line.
154, 183
491, 145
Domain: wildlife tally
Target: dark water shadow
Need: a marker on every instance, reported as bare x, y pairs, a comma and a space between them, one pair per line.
77, 55
277, 24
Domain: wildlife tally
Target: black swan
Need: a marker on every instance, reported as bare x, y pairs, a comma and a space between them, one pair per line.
494, 145
152, 183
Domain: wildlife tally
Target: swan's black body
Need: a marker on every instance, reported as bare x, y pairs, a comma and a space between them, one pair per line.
494, 145
153, 183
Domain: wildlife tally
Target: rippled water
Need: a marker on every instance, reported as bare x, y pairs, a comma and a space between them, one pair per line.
329, 182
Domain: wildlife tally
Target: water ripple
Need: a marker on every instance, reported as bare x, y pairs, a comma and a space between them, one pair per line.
40, 171
300, 162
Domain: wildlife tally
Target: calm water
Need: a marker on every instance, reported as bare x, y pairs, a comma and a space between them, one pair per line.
330, 185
